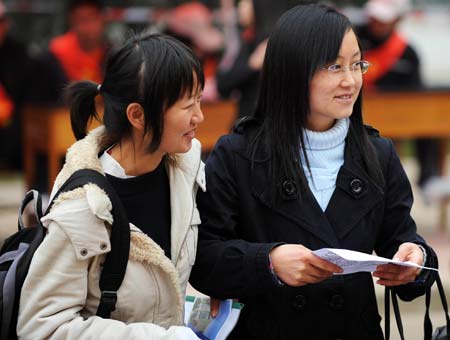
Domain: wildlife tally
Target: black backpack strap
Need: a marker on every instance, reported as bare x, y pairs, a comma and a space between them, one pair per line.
116, 260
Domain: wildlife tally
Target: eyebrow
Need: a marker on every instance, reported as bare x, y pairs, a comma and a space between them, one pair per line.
354, 55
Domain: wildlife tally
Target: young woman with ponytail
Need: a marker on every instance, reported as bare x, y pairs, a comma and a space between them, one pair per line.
147, 151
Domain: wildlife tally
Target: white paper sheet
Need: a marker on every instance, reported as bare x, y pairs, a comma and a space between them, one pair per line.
354, 261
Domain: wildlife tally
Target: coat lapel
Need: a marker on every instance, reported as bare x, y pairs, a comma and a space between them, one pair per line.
355, 190
300, 208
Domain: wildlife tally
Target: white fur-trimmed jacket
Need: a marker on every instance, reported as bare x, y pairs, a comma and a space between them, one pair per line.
61, 293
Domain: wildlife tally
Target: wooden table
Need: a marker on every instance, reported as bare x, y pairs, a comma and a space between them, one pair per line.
46, 130
218, 120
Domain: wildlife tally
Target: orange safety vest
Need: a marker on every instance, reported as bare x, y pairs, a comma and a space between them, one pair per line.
383, 58
6, 107
77, 64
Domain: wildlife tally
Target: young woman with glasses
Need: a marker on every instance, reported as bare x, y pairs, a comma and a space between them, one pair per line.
305, 173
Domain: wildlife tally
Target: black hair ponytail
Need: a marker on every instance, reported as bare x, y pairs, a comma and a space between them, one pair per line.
80, 97
152, 70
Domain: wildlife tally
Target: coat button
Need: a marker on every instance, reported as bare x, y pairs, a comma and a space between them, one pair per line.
103, 246
83, 252
299, 302
337, 302
356, 186
289, 187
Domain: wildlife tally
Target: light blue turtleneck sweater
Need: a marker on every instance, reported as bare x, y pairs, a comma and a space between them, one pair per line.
325, 151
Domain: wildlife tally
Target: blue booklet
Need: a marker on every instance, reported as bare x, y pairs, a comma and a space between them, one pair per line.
198, 319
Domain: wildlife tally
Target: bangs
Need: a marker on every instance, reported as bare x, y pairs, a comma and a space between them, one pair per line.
328, 40
177, 72
192, 81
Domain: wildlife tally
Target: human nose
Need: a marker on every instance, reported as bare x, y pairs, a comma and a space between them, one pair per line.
197, 117
349, 75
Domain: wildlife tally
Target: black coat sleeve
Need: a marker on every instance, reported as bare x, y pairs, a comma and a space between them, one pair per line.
227, 266
398, 226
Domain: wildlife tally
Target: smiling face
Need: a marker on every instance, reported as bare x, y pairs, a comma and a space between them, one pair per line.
180, 122
332, 96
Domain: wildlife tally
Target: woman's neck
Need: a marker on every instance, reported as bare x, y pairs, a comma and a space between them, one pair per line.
135, 158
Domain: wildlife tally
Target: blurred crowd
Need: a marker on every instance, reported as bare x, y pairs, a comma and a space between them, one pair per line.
229, 38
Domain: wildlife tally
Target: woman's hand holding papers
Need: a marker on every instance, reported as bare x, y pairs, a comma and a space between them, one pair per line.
296, 265
394, 275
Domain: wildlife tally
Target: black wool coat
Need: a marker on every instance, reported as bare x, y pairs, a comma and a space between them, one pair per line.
240, 226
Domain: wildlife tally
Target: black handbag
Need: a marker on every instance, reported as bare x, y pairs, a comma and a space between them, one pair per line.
439, 334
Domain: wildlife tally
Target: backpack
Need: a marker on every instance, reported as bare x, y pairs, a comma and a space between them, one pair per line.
18, 250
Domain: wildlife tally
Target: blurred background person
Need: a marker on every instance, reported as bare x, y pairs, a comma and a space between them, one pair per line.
14, 71
192, 23
238, 75
78, 54
235, 76
396, 67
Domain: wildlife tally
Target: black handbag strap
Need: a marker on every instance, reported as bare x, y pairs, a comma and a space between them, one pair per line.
427, 325
390, 293
387, 314
116, 260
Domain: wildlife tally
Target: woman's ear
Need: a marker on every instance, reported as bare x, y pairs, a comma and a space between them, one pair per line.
135, 115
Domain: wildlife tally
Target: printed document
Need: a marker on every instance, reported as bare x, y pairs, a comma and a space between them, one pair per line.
354, 261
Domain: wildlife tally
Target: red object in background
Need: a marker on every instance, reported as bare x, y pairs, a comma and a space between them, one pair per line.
383, 58
6, 107
77, 64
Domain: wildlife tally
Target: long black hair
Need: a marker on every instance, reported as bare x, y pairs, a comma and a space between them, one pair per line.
153, 70
305, 38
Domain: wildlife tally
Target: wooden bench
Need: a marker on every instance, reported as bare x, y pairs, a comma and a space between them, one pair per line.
411, 115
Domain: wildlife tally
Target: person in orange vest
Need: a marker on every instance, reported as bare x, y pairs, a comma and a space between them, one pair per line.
78, 54
14, 73
395, 67
81, 50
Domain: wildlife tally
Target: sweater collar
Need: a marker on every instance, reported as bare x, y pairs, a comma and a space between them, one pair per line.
327, 139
